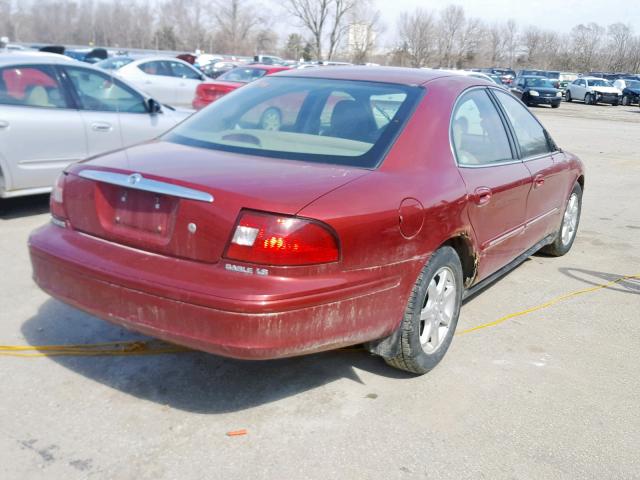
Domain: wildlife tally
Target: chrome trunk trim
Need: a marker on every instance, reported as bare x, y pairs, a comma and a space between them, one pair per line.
138, 182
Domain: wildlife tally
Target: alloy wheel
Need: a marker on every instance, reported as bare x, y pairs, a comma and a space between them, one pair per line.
438, 310
570, 220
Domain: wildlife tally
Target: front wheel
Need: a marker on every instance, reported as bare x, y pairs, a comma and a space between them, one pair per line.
271, 119
431, 315
626, 101
588, 99
567, 96
569, 225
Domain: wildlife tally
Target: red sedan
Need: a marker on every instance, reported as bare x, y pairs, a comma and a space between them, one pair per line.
365, 217
208, 92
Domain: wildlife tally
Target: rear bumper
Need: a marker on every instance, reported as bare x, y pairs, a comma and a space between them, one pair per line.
218, 311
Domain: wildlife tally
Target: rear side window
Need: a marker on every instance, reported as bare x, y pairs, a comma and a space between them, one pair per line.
31, 86
529, 133
477, 131
156, 68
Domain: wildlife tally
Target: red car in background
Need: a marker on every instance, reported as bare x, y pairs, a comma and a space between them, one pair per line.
383, 198
208, 92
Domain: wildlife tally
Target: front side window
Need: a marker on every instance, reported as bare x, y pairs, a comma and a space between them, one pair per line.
100, 92
529, 133
309, 119
31, 86
478, 134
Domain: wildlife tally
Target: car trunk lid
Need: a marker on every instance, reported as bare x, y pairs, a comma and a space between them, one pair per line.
183, 201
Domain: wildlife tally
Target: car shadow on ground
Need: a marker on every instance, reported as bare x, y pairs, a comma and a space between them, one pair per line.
11, 208
594, 278
193, 381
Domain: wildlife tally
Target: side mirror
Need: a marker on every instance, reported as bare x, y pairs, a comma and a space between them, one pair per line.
153, 106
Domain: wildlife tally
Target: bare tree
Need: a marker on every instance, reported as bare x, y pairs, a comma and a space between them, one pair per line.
417, 31
532, 43
313, 15
320, 18
511, 41
340, 9
237, 23
620, 45
452, 22
585, 42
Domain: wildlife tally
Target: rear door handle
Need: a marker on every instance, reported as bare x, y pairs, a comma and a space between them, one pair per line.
101, 127
538, 181
4, 124
482, 196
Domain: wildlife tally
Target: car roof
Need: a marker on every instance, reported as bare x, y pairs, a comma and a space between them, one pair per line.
534, 76
399, 75
592, 78
151, 58
23, 58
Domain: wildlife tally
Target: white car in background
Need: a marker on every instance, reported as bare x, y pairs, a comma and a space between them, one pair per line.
55, 111
168, 80
593, 90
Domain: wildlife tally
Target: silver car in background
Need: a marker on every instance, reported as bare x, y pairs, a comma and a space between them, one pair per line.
169, 80
55, 111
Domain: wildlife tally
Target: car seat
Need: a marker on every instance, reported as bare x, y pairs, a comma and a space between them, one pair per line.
352, 120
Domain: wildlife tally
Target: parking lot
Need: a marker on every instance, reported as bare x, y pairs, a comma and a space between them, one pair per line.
552, 392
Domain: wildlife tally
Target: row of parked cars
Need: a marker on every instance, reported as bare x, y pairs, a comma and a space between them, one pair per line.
549, 87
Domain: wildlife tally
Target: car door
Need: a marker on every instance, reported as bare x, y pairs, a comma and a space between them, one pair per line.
115, 115
41, 132
99, 100
580, 90
156, 80
547, 165
188, 80
497, 182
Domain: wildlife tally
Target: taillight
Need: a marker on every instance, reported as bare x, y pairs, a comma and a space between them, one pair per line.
56, 202
271, 239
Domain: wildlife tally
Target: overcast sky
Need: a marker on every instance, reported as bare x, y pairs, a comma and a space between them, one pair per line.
559, 15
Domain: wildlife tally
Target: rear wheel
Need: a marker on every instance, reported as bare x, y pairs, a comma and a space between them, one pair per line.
431, 314
569, 225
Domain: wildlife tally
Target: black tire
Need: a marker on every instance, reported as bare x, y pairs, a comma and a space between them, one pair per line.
588, 99
412, 356
626, 101
559, 247
555, 105
567, 96
615, 104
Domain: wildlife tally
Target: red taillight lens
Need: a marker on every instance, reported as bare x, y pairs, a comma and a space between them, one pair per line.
277, 240
56, 201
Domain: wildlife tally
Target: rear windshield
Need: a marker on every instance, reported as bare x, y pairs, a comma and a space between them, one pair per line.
318, 120
242, 74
